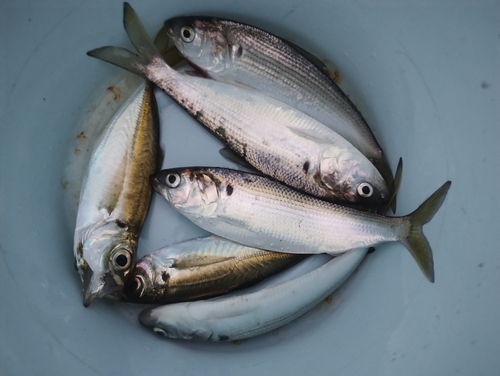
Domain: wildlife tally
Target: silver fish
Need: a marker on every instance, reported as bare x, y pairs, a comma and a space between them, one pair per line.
115, 197
260, 212
250, 314
274, 137
201, 268
237, 53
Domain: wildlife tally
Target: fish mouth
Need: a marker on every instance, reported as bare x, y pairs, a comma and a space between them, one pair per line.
98, 286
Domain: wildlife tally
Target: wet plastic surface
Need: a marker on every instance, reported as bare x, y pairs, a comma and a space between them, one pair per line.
427, 79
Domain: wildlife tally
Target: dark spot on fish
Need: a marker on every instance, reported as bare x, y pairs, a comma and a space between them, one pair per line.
221, 132
240, 51
247, 178
305, 168
165, 276
120, 223
485, 85
79, 249
229, 190
81, 135
199, 115
371, 250
116, 92
223, 338
481, 265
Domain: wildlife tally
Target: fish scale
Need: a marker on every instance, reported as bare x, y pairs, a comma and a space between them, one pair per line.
201, 268
116, 195
279, 69
258, 128
266, 209
272, 136
319, 89
260, 212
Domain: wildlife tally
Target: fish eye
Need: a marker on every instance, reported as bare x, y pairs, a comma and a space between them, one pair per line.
135, 286
187, 34
365, 190
173, 180
122, 259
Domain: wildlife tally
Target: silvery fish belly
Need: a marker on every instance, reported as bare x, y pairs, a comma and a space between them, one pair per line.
115, 197
260, 212
246, 315
201, 268
272, 136
237, 53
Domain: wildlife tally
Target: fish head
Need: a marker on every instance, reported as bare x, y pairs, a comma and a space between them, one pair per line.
104, 258
194, 192
352, 179
168, 321
149, 280
202, 41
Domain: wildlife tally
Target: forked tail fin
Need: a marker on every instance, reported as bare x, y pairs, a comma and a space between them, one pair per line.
415, 239
125, 59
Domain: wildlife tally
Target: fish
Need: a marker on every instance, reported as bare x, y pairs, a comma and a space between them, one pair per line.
260, 212
247, 315
115, 196
273, 137
201, 268
242, 54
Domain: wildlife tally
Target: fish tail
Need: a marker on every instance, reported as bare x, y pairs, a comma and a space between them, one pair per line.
415, 239
125, 59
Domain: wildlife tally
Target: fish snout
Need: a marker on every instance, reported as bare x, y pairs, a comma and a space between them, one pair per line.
98, 286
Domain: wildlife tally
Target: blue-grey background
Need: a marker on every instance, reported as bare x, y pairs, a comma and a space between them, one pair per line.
426, 75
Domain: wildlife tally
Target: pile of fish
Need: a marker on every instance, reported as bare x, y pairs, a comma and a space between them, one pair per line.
319, 183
